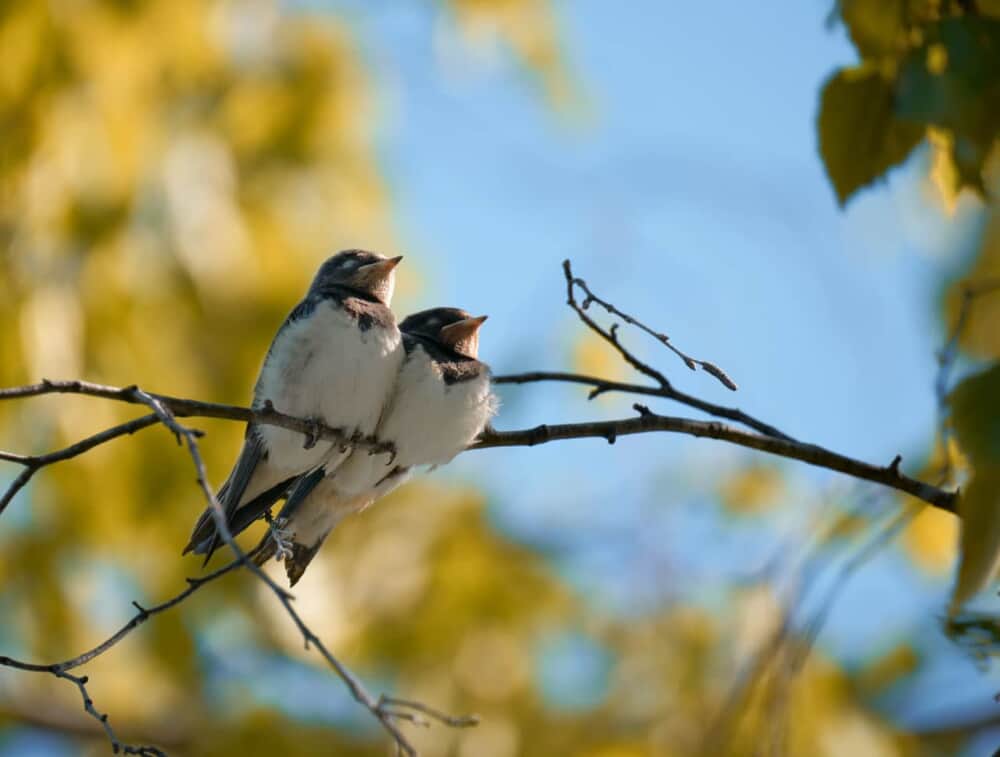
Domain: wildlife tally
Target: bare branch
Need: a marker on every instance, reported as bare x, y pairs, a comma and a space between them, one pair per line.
603, 386
461, 721
355, 686
187, 408
389, 710
648, 421
611, 335
34, 463
88, 705
381, 708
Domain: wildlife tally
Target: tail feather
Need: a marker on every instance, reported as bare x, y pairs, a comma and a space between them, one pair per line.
206, 539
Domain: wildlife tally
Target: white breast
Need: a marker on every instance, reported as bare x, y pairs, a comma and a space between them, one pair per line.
431, 421
428, 420
324, 366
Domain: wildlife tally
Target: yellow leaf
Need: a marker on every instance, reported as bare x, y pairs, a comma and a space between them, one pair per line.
752, 490
860, 138
886, 670
592, 356
930, 540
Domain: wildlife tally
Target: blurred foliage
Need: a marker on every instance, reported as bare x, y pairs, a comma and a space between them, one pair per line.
931, 68
593, 356
171, 173
976, 418
927, 66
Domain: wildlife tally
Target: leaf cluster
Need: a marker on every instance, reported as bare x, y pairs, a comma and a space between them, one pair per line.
927, 67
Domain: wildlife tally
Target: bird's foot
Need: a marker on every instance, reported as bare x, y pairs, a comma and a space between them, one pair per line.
282, 538
351, 440
314, 427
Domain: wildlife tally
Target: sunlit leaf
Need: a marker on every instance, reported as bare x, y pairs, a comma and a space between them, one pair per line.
953, 81
592, 356
860, 138
754, 489
975, 408
877, 27
980, 335
878, 675
930, 540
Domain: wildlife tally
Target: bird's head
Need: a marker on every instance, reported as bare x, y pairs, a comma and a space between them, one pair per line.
366, 272
451, 327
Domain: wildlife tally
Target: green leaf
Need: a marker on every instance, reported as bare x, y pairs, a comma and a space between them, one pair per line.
975, 413
989, 8
979, 542
860, 138
953, 81
975, 416
877, 27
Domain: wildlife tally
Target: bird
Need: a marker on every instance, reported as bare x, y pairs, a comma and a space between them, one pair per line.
333, 361
443, 398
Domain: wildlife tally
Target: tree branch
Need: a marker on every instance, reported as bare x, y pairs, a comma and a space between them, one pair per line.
648, 422
611, 335
33, 464
604, 386
117, 746
187, 408
386, 710
389, 710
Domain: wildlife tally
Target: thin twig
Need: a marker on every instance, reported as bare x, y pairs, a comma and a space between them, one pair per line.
460, 721
33, 463
603, 386
611, 335
791, 643
355, 686
88, 705
381, 708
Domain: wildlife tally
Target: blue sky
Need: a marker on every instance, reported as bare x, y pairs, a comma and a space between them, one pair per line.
692, 194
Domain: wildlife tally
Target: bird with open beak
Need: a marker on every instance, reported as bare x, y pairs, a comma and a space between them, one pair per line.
334, 361
442, 400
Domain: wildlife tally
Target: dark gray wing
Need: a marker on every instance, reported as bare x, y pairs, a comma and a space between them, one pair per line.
304, 309
255, 508
204, 539
302, 488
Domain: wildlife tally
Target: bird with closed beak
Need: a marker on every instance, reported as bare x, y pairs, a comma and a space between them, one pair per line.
334, 361
442, 400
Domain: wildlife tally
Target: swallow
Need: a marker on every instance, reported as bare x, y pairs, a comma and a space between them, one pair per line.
442, 400
334, 361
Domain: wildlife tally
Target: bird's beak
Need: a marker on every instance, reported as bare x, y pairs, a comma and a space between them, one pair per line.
380, 269
463, 329
373, 276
